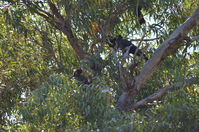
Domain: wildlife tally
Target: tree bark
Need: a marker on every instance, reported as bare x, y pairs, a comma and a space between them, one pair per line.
58, 21
65, 26
168, 47
161, 92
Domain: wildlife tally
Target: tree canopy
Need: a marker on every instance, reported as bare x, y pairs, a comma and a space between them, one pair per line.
69, 65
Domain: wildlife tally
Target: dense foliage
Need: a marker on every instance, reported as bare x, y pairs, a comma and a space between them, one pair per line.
37, 88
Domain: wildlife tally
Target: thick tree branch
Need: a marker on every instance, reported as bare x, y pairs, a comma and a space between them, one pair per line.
161, 92
168, 47
59, 23
65, 27
47, 16
55, 11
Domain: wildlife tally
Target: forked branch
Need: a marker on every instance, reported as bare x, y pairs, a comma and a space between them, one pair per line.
168, 47
161, 92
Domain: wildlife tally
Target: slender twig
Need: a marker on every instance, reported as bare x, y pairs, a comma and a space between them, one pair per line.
145, 39
138, 47
115, 56
126, 54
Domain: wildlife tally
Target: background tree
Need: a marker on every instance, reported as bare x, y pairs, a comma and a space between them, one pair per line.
42, 42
